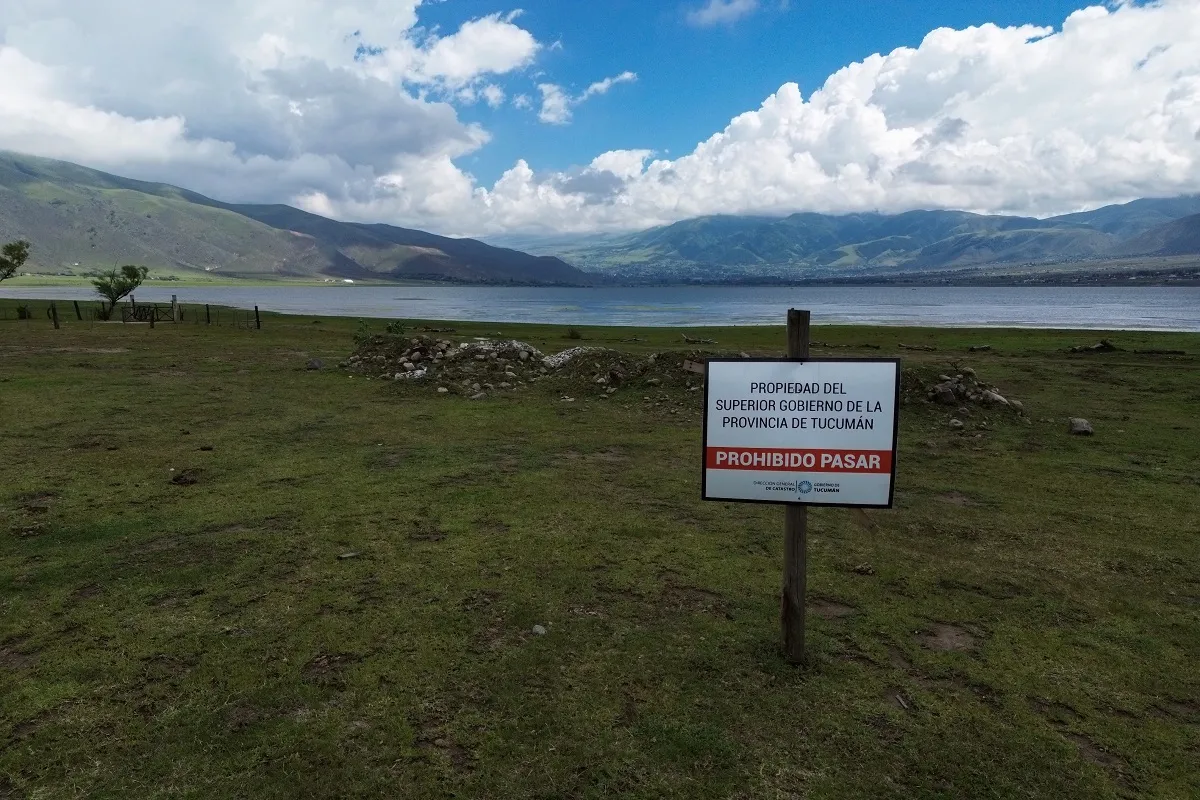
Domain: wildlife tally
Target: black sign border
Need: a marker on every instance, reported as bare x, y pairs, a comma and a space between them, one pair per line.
821, 359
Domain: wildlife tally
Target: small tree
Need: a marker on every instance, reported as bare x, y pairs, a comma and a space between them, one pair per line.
116, 284
12, 257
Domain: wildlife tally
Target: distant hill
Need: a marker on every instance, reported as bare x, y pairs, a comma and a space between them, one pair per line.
820, 246
81, 219
1178, 238
1130, 219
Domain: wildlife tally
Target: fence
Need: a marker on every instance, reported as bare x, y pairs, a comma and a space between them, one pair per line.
130, 312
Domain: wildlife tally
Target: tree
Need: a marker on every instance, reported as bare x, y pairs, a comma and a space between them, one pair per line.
115, 284
12, 258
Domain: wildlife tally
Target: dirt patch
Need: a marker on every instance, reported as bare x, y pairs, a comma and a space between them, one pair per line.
1186, 710
897, 659
239, 718
479, 600
328, 669
13, 659
830, 609
492, 525
187, 477
442, 748
944, 637
1057, 713
37, 503
956, 499
426, 529
692, 599
84, 592
1095, 753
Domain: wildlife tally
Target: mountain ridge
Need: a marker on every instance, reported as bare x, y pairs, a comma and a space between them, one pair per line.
80, 219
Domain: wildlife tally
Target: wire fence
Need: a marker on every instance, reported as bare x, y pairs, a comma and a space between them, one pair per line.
57, 312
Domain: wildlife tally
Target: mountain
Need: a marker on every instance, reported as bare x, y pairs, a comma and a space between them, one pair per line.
1178, 238
1130, 219
821, 246
812, 245
81, 219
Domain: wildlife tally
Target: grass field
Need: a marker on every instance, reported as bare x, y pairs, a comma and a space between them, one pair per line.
339, 599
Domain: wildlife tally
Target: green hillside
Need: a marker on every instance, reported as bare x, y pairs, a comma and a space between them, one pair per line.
81, 220
821, 246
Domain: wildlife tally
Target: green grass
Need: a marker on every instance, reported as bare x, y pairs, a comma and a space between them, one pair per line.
206, 641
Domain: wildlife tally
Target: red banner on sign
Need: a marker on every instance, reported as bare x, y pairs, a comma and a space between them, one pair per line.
778, 459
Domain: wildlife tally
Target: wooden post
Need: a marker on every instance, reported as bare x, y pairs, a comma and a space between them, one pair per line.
54, 315
257, 321
207, 315
795, 525
174, 310
78, 313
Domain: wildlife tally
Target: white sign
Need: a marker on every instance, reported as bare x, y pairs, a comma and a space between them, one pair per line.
820, 432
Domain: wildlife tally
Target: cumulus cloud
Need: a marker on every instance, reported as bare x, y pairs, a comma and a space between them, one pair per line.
719, 12
273, 106
557, 104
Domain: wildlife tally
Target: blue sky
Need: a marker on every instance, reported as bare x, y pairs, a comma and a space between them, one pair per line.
692, 80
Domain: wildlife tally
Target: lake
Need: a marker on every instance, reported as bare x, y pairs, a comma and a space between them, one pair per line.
1105, 308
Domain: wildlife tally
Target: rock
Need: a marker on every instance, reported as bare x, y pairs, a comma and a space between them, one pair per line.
345, 556
538, 630
970, 373
524, 355
443, 390
1081, 427
743, 355
980, 348
944, 394
478, 396
474, 387
864, 569
504, 385
1017, 404
993, 397
654, 382
957, 424
315, 363
610, 390
416, 357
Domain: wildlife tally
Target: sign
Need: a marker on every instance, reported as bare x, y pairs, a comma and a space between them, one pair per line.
817, 431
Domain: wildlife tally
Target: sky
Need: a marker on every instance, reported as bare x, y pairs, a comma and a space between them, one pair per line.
483, 117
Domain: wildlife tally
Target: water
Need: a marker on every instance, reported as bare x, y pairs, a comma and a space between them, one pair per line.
1104, 308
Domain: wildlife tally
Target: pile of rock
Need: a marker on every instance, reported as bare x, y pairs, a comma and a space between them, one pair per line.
469, 367
964, 388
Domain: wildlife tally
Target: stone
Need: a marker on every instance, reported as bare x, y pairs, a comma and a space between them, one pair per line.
524, 355
345, 556
478, 396
398, 375
654, 382
443, 390
993, 397
957, 424
980, 348
538, 630
1017, 404
1081, 427
416, 357
944, 394
315, 363
610, 390
475, 387
504, 385
970, 373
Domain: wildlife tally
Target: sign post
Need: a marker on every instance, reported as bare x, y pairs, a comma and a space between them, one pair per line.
800, 431
795, 524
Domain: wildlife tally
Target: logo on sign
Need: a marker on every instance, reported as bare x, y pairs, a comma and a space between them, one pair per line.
803, 487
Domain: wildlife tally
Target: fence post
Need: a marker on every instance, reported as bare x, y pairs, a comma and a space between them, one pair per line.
795, 525
54, 315
257, 321
174, 310
207, 315
78, 313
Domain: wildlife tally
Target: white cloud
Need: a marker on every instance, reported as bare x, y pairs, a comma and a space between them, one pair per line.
718, 12
270, 105
494, 95
557, 104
